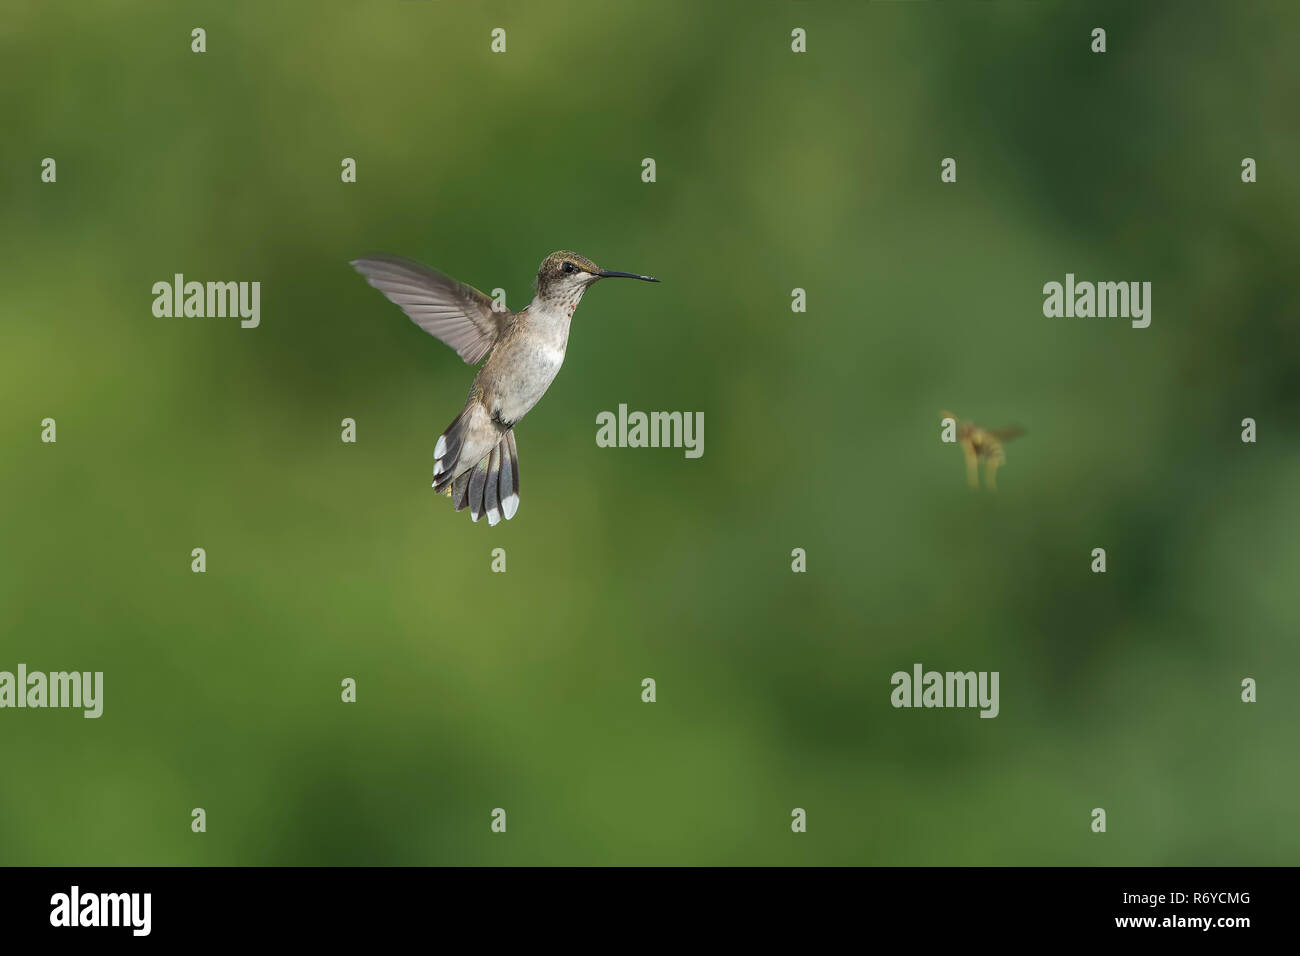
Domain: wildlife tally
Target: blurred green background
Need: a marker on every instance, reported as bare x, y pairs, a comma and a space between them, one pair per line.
522, 690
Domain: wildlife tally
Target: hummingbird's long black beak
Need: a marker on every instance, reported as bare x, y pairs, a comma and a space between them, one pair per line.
606, 274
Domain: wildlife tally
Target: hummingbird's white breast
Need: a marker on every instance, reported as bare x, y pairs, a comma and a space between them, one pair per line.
524, 365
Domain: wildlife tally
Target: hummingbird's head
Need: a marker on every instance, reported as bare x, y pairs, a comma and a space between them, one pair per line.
564, 276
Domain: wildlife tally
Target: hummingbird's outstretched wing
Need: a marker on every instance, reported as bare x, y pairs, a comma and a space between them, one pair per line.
456, 313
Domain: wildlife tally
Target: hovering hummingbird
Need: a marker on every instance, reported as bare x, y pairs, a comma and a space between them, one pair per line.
476, 461
983, 444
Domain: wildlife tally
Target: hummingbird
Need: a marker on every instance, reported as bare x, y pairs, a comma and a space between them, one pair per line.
983, 444
476, 461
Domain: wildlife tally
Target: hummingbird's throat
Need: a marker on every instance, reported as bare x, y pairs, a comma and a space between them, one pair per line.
568, 299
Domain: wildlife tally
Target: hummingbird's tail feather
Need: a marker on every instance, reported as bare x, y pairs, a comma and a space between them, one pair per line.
491, 497
471, 435
490, 486
494, 483
459, 492
447, 453
477, 482
509, 485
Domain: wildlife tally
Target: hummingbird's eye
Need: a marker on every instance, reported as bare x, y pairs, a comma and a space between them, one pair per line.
569, 267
